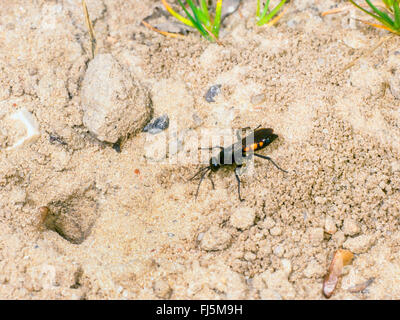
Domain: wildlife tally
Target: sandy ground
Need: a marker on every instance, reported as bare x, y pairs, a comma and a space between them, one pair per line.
122, 226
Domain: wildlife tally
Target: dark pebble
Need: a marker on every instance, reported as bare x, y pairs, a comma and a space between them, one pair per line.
54, 138
213, 92
117, 146
157, 125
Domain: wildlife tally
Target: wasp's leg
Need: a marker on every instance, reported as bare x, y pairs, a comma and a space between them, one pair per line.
272, 161
198, 172
238, 180
201, 180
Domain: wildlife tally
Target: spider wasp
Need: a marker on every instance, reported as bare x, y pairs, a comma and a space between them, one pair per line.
234, 155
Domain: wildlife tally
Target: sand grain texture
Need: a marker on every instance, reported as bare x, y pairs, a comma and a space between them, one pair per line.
126, 227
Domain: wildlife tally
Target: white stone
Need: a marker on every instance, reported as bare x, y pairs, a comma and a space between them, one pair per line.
30, 124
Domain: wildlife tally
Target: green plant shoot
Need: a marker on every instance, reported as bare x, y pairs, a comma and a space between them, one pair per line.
389, 18
266, 16
200, 17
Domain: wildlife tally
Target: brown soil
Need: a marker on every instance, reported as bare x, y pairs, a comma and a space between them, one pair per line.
139, 234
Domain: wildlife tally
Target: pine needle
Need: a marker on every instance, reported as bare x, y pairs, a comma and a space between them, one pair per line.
164, 33
90, 29
366, 53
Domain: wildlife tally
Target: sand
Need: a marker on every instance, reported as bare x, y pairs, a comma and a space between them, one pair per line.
125, 227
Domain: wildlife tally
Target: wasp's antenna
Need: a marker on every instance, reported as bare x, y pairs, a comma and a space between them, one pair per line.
198, 172
269, 159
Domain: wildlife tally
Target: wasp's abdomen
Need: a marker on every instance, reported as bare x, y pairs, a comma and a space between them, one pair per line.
254, 146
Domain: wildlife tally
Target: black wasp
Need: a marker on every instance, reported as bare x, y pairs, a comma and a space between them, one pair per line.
234, 155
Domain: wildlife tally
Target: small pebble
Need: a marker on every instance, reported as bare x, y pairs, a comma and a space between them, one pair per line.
258, 99
269, 223
338, 238
43, 213
157, 125
243, 218
275, 231
313, 269
250, 256
279, 251
117, 146
213, 92
200, 236
54, 138
350, 227
197, 120
330, 226
31, 127
360, 244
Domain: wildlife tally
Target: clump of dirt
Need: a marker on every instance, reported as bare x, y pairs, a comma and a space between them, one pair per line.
126, 225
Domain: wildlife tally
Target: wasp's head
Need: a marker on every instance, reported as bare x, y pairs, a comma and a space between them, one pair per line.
267, 136
214, 164
272, 137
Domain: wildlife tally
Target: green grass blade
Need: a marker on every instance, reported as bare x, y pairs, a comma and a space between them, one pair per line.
258, 9
195, 19
387, 22
264, 10
272, 13
199, 17
203, 19
396, 12
204, 9
217, 19
389, 4
177, 15
366, 11
382, 14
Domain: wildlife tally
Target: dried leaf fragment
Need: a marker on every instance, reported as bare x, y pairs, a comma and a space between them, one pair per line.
340, 259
